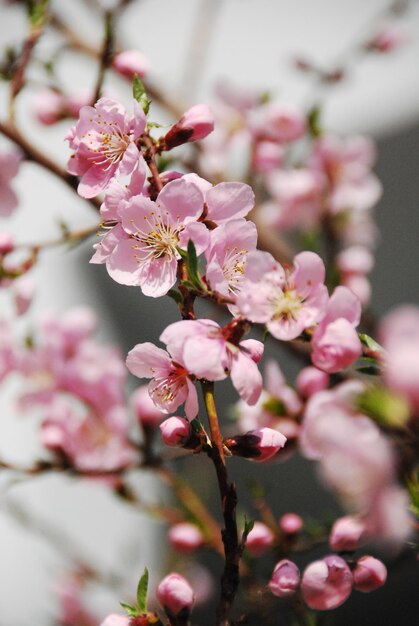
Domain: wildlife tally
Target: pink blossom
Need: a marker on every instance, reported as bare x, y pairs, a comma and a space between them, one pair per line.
210, 352
227, 254
175, 431
195, 124
335, 342
185, 537
9, 166
290, 523
104, 146
310, 380
6, 243
49, 106
23, 293
359, 285
260, 539
170, 384
71, 610
175, 594
387, 38
144, 408
346, 533
369, 574
260, 445
327, 583
355, 260
287, 302
131, 62
143, 249
278, 122
267, 156
285, 579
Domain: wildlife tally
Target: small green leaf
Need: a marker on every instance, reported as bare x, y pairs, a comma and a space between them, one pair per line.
370, 343
131, 610
142, 592
384, 407
369, 370
248, 526
197, 426
37, 10
139, 93
176, 296
274, 406
191, 260
313, 119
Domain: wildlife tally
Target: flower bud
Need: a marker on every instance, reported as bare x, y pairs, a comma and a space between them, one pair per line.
131, 62
6, 243
290, 523
260, 539
267, 156
327, 583
285, 579
185, 537
175, 595
175, 431
49, 107
310, 380
196, 123
258, 445
346, 534
387, 39
369, 574
337, 347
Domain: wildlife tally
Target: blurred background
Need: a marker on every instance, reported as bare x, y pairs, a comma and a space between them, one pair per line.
191, 46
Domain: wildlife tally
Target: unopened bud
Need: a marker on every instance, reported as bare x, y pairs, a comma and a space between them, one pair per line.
6, 243
116, 620
285, 579
131, 62
260, 539
290, 523
185, 537
258, 445
175, 595
369, 574
195, 124
346, 534
177, 431
327, 583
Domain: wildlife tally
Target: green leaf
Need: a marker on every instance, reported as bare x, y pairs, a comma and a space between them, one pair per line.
313, 119
274, 406
176, 296
191, 260
370, 343
369, 370
142, 592
384, 407
37, 11
131, 610
139, 93
248, 526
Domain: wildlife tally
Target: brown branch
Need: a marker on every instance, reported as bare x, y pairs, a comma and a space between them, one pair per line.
105, 56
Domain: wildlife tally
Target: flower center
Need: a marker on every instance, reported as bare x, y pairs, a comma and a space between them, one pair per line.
286, 305
161, 240
233, 267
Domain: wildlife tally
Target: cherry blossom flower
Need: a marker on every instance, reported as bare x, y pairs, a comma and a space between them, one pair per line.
369, 574
170, 384
185, 537
261, 444
104, 146
227, 254
9, 166
175, 431
196, 123
208, 352
287, 302
175, 594
131, 62
346, 533
285, 579
326, 583
290, 523
260, 539
143, 249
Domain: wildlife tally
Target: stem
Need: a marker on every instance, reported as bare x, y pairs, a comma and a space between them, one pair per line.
232, 549
106, 55
18, 80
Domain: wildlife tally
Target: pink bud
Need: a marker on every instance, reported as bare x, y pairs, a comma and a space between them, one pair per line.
23, 292
185, 537
260, 539
388, 38
196, 123
144, 407
336, 347
116, 620
49, 107
310, 380
326, 584
76, 101
6, 243
285, 579
359, 285
131, 62
346, 534
257, 445
290, 523
175, 594
356, 259
175, 431
278, 122
369, 574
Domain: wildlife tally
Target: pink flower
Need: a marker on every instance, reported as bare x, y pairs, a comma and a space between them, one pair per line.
9, 166
260, 539
327, 583
290, 523
369, 574
185, 537
389, 37
285, 579
175, 431
310, 380
23, 293
49, 106
143, 249
335, 342
267, 156
195, 124
211, 352
346, 534
6, 243
287, 303
175, 594
278, 122
170, 385
261, 444
227, 254
116, 620
104, 144
131, 62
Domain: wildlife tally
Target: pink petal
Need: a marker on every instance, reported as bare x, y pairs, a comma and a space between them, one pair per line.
246, 378
229, 200
183, 199
145, 358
